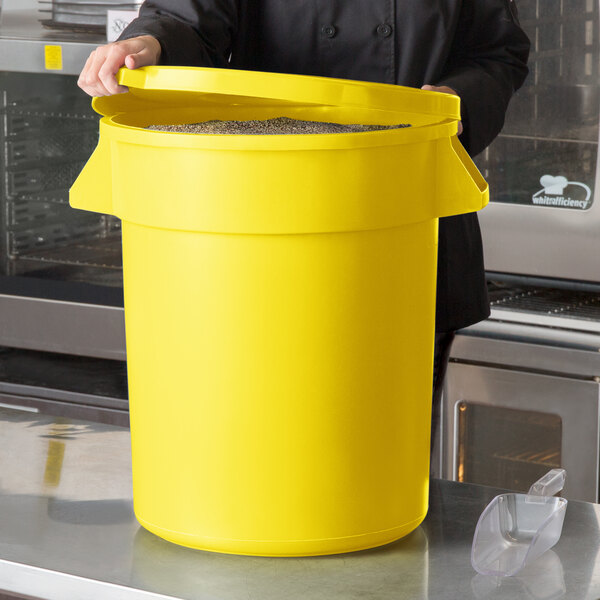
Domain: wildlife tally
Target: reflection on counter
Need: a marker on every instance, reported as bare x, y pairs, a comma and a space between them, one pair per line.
79, 500
65, 385
401, 567
541, 580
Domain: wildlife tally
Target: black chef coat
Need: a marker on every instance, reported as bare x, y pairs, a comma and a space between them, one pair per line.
476, 47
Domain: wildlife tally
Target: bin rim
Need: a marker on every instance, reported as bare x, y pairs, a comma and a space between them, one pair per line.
160, 86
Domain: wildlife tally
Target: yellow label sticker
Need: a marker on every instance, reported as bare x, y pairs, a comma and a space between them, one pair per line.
53, 58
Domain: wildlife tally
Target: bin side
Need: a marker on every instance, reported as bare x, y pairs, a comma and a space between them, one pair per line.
274, 192
280, 386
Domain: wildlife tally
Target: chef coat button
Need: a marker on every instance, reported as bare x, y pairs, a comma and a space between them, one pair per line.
384, 30
328, 31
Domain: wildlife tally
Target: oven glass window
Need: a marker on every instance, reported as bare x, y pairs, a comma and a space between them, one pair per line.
48, 131
506, 448
547, 152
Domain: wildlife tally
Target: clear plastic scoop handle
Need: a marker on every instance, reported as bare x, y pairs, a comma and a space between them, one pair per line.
551, 483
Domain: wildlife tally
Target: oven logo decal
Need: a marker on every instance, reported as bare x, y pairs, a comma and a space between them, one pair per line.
559, 192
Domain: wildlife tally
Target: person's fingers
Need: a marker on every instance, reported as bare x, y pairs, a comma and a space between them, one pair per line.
83, 76
444, 89
113, 61
148, 55
98, 77
89, 81
94, 80
139, 59
87, 77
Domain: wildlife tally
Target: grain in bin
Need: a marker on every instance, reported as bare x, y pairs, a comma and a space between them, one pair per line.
274, 126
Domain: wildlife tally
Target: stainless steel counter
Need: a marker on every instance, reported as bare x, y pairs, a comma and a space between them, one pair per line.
67, 531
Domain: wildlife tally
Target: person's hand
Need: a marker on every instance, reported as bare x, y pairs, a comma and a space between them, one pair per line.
444, 89
98, 75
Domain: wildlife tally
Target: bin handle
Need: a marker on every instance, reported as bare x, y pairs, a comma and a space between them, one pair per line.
92, 189
462, 188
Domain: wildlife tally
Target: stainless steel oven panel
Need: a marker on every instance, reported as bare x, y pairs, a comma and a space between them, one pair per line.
542, 241
22, 41
67, 327
528, 347
575, 401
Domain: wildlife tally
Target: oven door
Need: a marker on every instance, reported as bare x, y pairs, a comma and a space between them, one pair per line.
544, 213
545, 241
506, 428
60, 269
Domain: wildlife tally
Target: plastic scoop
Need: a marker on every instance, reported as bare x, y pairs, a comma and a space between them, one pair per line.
515, 529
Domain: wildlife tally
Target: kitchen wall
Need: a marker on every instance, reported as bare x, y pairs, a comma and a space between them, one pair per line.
18, 4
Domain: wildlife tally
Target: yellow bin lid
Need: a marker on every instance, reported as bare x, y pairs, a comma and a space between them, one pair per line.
153, 87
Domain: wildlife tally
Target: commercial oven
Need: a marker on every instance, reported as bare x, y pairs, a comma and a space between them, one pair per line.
61, 299
522, 391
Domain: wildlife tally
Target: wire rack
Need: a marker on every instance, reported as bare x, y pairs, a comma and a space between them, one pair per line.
548, 301
83, 17
47, 138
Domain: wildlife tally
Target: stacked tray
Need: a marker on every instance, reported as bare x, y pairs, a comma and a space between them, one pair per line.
82, 15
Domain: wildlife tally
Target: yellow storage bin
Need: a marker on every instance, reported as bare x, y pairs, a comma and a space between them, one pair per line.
279, 304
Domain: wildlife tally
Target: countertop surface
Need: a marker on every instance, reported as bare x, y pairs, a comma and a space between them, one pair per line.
67, 530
